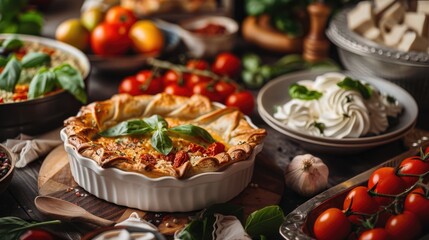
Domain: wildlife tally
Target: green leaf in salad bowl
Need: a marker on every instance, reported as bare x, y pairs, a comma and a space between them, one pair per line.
71, 80
43, 82
10, 75
35, 59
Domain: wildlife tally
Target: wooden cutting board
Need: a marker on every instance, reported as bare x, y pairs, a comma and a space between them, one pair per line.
55, 179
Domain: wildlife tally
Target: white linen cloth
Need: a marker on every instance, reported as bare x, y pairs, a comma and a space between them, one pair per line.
27, 148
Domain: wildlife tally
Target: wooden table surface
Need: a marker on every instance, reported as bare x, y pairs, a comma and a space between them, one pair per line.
18, 200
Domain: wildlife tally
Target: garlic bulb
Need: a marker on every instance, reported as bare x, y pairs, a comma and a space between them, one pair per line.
307, 175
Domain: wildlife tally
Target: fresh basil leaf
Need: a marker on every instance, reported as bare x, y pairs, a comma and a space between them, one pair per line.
301, 92
192, 231
130, 127
10, 75
3, 61
35, 59
265, 221
43, 82
350, 84
12, 44
71, 80
156, 122
161, 142
193, 131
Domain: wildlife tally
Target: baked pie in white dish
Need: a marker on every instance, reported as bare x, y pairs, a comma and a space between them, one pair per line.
161, 152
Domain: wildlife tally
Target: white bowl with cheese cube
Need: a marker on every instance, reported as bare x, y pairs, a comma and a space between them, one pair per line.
386, 41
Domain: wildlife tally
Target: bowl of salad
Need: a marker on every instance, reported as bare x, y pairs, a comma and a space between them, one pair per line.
42, 82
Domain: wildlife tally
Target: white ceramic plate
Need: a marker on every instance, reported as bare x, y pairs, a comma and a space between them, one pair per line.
275, 93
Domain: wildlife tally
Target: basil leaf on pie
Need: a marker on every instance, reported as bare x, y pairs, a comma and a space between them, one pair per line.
130, 127
193, 131
161, 142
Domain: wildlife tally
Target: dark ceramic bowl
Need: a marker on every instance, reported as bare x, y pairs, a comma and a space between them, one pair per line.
42, 114
7, 178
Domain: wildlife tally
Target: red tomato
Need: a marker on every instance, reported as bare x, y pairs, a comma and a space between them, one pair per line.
207, 89
130, 85
332, 224
149, 84
197, 64
175, 89
224, 89
36, 234
360, 201
375, 234
404, 226
413, 165
226, 64
120, 15
387, 182
193, 79
417, 203
215, 148
171, 77
110, 39
242, 100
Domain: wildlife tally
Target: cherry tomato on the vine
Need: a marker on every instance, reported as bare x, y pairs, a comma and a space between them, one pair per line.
375, 234
207, 89
197, 64
417, 203
120, 15
149, 84
359, 201
175, 89
171, 77
36, 234
224, 89
226, 64
331, 224
109, 39
404, 226
413, 165
386, 182
192, 79
242, 100
130, 85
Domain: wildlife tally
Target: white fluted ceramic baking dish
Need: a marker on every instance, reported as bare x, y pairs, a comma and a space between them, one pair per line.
166, 194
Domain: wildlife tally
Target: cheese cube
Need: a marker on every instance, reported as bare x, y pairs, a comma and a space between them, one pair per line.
381, 5
417, 22
373, 34
412, 42
423, 6
392, 38
360, 18
394, 13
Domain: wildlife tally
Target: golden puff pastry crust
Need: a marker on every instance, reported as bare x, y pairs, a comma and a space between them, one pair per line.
228, 126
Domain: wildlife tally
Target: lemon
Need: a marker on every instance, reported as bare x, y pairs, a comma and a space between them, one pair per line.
74, 33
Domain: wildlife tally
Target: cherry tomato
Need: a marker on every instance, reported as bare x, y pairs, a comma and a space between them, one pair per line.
149, 84
207, 89
175, 89
332, 224
413, 165
417, 203
375, 234
197, 64
130, 85
120, 15
224, 89
192, 79
36, 234
110, 39
387, 182
171, 77
404, 226
226, 64
360, 201
242, 100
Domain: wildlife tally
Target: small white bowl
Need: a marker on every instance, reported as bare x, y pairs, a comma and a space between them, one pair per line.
276, 93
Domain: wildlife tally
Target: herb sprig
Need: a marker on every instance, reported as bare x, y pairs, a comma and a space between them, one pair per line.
350, 84
301, 92
158, 127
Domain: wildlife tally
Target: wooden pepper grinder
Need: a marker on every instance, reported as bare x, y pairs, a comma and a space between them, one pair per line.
316, 46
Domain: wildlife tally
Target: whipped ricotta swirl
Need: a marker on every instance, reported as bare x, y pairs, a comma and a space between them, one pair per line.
340, 112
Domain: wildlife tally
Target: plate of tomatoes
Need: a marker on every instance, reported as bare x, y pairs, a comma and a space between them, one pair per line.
389, 201
196, 76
